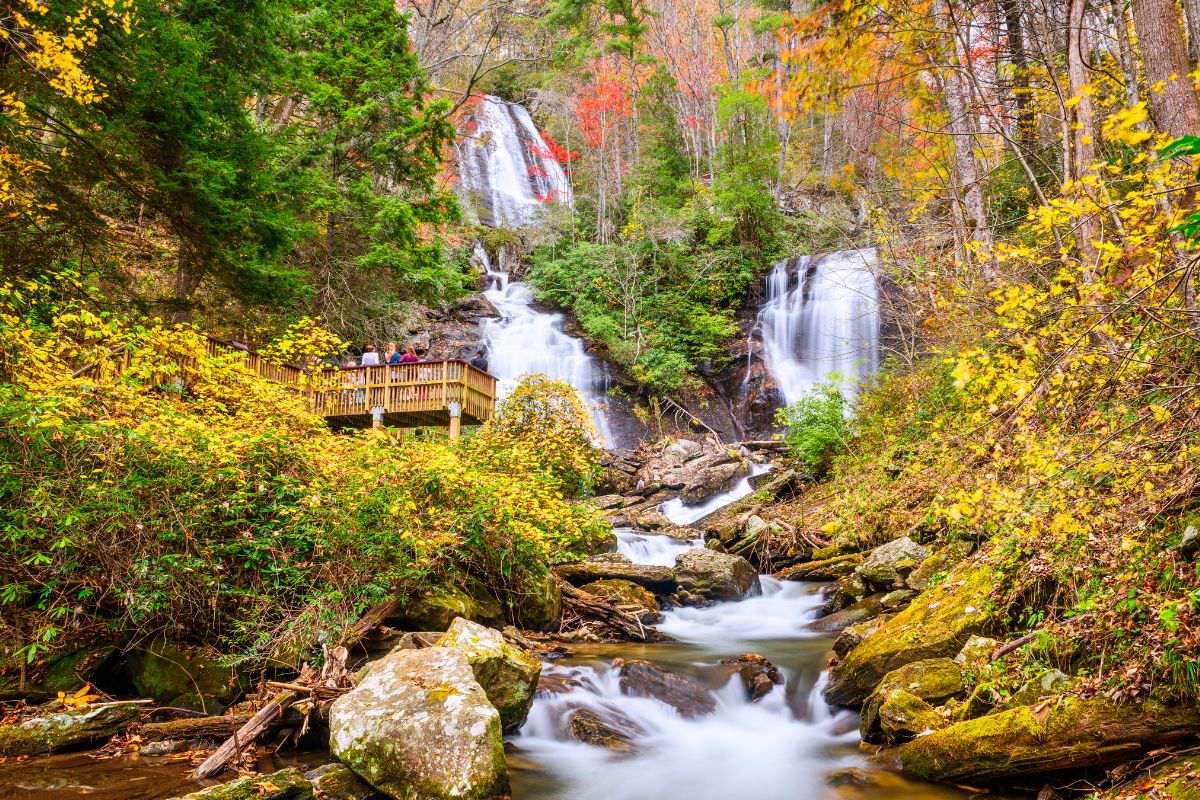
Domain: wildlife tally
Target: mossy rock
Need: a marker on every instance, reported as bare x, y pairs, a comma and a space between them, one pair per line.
854, 635
902, 716
508, 674
185, 676
338, 782
936, 624
942, 561
931, 680
287, 784
1173, 780
435, 611
1067, 734
629, 597
828, 569
64, 673
64, 729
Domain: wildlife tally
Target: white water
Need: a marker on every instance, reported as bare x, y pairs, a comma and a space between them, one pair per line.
648, 548
681, 513
506, 172
820, 322
524, 341
780, 610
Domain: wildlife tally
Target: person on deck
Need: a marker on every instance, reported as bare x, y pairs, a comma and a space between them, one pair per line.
370, 358
392, 356
410, 356
480, 361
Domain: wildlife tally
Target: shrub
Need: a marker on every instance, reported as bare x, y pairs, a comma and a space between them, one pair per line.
817, 428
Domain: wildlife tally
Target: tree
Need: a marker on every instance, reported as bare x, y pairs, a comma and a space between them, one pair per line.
1173, 101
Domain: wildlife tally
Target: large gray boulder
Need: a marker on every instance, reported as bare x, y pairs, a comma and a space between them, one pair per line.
708, 575
888, 565
508, 674
420, 727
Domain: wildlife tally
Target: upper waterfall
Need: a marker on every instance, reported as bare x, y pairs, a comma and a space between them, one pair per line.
820, 321
507, 171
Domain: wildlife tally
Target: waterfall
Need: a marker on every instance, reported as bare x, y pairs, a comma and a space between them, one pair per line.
507, 171
820, 320
524, 341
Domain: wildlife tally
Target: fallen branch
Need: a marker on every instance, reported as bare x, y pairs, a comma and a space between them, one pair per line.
193, 728
586, 604
255, 727
1003, 650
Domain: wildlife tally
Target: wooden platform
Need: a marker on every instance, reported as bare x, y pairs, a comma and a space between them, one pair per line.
409, 395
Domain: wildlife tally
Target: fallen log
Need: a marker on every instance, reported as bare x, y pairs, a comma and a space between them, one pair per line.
254, 727
193, 728
588, 605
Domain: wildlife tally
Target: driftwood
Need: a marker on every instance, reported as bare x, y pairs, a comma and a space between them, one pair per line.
193, 728
254, 727
588, 605
1015, 644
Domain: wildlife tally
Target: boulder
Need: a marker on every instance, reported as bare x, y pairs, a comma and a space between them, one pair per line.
64, 673
1046, 738
859, 612
706, 479
758, 675
54, 730
897, 599
976, 654
615, 734
853, 635
287, 784
902, 716
420, 727
338, 782
184, 676
1189, 543
714, 576
685, 695
1049, 683
938, 564
932, 680
435, 610
628, 597
934, 625
539, 603
508, 674
888, 565
658, 579
681, 451
826, 569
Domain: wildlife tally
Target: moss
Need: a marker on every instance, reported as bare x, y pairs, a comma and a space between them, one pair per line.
929, 680
183, 676
436, 610
827, 569
937, 623
287, 784
63, 730
507, 674
1059, 735
66, 673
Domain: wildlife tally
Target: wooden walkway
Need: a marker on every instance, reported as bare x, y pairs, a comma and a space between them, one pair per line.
405, 395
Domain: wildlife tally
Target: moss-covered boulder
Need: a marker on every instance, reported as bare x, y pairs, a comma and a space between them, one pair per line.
539, 603
287, 784
55, 730
861, 611
854, 635
435, 610
656, 578
936, 624
508, 674
420, 727
888, 565
186, 676
709, 575
63, 673
616, 732
629, 597
1053, 736
825, 569
931, 680
939, 564
339, 782
900, 716
1048, 683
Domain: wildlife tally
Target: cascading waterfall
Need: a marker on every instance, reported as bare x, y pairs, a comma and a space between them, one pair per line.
507, 171
821, 321
525, 341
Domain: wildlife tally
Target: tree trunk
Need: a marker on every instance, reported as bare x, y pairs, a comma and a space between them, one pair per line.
1175, 109
1026, 123
1191, 12
958, 102
189, 270
1083, 143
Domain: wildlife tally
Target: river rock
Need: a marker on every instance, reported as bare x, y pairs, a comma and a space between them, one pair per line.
859, 612
435, 610
616, 733
938, 564
901, 716
681, 451
55, 730
1046, 738
420, 727
539, 603
658, 579
888, 565
936, 624
853, 635
758, 675
976, 654
628, 597
1049, 683
338, 782
932, 680
685, 695
507, 673
714, 576
287, 784
707, 479
184, 676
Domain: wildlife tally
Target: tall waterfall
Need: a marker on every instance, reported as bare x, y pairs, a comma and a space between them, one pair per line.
524, 340
507, 171
821, 319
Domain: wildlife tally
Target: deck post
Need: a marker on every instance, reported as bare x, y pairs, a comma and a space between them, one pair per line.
377, 418
455, 410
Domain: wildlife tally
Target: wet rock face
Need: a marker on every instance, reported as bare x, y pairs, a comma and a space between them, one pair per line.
64, 730
758, 675
184, 676
697, 470
616, 733
709, 575
421, 727
687, 696
338, 782
902, 716
508, 674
